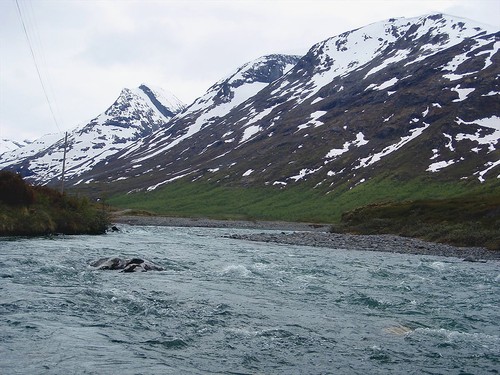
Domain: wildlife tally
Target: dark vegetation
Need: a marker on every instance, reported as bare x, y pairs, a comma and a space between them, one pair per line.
27, 210
465, 221
462, 214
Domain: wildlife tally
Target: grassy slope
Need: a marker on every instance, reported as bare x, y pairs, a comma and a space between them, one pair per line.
453, 219
470, 220
299, 203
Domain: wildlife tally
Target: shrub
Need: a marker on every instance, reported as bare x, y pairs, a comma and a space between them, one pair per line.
49, 210
14, 191
465, 221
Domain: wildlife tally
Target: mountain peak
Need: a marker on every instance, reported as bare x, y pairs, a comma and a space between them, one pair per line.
405, 97
166, 102
343, 111
265, 69
221, 98
254, 75
135, 114
162, 101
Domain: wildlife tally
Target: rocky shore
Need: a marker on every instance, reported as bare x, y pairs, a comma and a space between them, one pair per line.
212, 223
385, 243
319, 236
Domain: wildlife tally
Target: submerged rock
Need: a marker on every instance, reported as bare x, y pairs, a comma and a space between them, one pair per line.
125, 265
398, 330
473, 259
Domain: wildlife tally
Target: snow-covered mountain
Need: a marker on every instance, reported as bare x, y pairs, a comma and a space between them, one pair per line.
217, 102
9, 144
404, 97
135, 114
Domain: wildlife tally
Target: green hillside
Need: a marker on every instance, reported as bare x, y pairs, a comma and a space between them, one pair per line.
359, 209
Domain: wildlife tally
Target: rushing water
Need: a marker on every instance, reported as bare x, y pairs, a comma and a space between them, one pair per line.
226, 306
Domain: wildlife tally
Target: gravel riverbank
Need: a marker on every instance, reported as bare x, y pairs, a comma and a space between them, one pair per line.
319, 236
211, 223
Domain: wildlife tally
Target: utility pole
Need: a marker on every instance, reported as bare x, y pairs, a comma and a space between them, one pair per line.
64, 162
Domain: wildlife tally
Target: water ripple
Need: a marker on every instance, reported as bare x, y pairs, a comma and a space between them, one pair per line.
234, 307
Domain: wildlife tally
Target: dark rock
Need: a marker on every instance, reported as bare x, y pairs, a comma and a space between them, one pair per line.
126, 265
109, 263
473, 259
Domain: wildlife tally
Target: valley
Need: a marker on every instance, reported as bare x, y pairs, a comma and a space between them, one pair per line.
398, 114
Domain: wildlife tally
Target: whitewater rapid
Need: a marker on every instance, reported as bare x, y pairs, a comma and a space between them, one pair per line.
224, 305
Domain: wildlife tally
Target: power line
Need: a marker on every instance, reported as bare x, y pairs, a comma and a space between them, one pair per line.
36, 65
39, 48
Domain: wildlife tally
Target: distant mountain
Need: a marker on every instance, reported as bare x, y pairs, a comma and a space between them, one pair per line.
9, 144
135, 114
217, 102
411, 98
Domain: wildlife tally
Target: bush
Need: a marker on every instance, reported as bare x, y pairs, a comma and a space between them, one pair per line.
14, 191
37, 210
466, 221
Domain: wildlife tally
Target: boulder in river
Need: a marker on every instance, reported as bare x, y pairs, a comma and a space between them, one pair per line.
125, 265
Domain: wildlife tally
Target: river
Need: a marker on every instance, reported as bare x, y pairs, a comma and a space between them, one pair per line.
228, 306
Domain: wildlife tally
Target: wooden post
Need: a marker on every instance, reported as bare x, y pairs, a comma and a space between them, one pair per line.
64, 162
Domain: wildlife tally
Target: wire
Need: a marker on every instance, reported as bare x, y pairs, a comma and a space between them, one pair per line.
36, 65
25, 21
39, 49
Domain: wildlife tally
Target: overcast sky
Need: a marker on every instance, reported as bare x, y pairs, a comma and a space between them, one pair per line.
88, 50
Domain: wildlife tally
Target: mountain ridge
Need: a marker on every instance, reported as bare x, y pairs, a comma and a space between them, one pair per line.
11, 144
221, 97
407, 97
343, 106
134, 114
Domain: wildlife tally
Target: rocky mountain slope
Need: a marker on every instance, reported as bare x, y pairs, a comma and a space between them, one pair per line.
205, 112
403, 97
135, 114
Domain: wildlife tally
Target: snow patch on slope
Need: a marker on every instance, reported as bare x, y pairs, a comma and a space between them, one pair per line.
437, 166
490, 138
335, 152
303, 173
313, 121
383, 86
365, 162
249, 132
490, 166
462, 93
